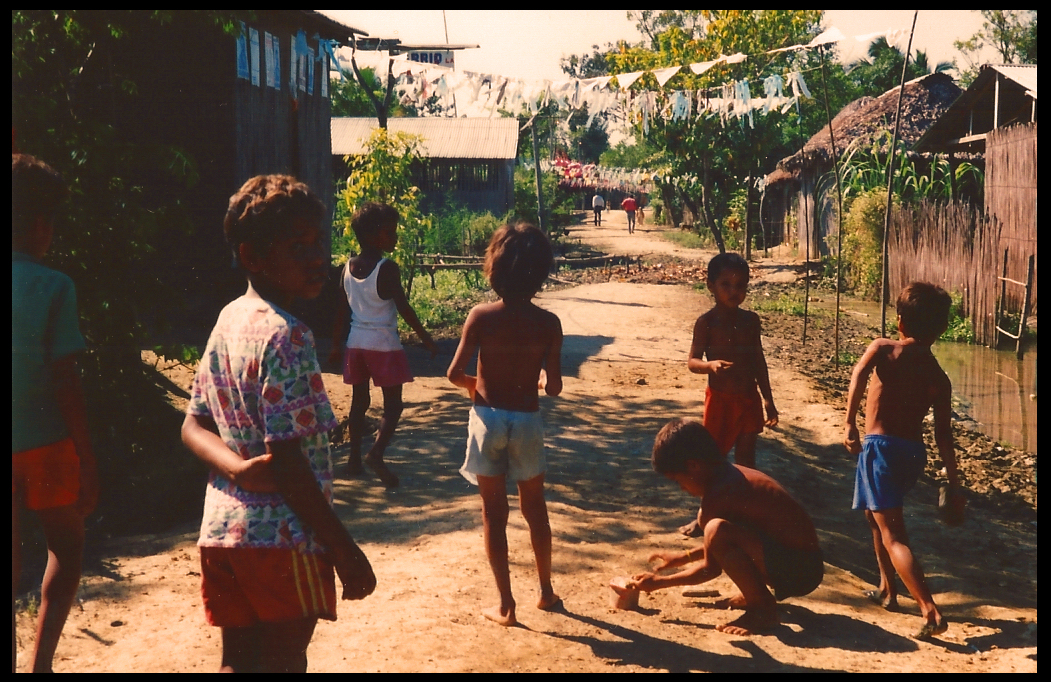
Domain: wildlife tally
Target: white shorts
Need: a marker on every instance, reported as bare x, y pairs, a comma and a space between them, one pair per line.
504, 443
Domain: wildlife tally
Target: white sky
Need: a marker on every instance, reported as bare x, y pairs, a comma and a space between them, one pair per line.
529, 43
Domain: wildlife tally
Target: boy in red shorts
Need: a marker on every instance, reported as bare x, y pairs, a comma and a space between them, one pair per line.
727, 347
52, 465
259, 418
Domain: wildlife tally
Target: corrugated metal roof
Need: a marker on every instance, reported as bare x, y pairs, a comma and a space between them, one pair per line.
443, 138
1023, 74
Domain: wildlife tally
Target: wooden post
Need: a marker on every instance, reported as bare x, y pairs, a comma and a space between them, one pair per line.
1000, 302
539, 182
1025, 306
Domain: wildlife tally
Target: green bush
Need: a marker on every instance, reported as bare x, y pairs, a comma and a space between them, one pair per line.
862, 244
960, 328
460, 232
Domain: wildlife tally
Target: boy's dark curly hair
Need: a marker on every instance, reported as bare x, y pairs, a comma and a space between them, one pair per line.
680, 441
518, 260
924, 310
36, 190
726, 261
266, 206
371, 218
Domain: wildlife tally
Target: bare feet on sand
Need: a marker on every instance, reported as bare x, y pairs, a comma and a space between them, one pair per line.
549, 602
501, 616
753, 622
932, 629
735, 602
887, 601
379, 467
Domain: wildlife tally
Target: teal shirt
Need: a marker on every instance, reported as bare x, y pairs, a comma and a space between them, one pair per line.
44, 328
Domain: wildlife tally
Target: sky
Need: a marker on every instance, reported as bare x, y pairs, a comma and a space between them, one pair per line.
529, 43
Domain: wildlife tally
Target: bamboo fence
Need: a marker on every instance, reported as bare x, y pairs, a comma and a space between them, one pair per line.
955, 247
1010, 199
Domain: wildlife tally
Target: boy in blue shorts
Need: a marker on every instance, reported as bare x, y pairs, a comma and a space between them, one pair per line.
52, 465
519, 348
259, 418
906, 382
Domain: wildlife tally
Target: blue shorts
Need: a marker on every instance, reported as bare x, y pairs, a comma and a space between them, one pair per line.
888, 467
504, 443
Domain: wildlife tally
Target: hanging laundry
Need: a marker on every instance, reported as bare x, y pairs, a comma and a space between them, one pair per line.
773, 88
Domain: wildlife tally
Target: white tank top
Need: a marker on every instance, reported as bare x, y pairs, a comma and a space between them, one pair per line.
374, 321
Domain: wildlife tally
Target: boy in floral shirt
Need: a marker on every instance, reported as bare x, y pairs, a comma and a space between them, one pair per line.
259, 417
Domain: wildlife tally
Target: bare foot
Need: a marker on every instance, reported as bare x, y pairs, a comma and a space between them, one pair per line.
932, 629
501, 616
379, 467
549, 602
736, 602
691, 529
753, 622
887, 601
354, 467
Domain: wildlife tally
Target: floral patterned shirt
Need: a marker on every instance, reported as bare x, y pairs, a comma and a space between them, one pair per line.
260, 381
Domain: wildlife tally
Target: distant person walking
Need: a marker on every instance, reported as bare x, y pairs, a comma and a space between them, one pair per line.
630, 207
597, 204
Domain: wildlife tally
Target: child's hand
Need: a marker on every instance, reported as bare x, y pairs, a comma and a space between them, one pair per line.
771, 414
644, 582
431, 346
541, 382
255, 476
852, 441
663, 560
719, 366
355, 572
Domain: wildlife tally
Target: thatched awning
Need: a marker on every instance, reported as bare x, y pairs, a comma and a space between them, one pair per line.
925, 100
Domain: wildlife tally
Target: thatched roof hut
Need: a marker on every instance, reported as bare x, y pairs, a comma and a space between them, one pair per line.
864, 120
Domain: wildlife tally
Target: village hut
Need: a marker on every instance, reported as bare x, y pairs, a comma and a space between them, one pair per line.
235, 105
469, 161
862, 122
997, 118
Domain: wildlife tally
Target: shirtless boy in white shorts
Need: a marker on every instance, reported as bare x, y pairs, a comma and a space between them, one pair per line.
519, 347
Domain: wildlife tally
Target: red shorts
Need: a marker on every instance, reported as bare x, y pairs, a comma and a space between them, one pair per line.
46, 477
730, 415
243, 586
385, 367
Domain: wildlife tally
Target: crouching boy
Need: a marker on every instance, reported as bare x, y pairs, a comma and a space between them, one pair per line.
754, 531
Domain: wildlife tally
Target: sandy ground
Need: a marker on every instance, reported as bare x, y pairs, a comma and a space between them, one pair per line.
625, 369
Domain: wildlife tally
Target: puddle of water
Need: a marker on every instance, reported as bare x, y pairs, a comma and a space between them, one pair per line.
995, 387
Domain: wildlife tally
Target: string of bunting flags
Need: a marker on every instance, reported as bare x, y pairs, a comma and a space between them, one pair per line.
481, 94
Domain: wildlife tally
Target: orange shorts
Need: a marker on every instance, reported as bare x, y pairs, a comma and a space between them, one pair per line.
730, 415
46, 477
243, 586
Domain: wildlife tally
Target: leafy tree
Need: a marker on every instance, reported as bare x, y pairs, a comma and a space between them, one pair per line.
67, 95
882, 70
589, 65
715, 159
384, 173
1011, 32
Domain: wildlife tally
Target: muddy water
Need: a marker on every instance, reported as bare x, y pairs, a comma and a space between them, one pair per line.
992, 387
995, 388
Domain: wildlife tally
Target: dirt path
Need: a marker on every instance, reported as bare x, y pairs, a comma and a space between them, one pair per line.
624, 361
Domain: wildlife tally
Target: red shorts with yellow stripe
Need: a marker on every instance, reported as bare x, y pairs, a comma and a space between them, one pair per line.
243, 586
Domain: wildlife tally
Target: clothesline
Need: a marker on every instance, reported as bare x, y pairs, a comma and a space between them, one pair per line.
490, 93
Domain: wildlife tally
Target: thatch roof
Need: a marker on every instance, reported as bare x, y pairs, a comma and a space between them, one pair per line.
925, 100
